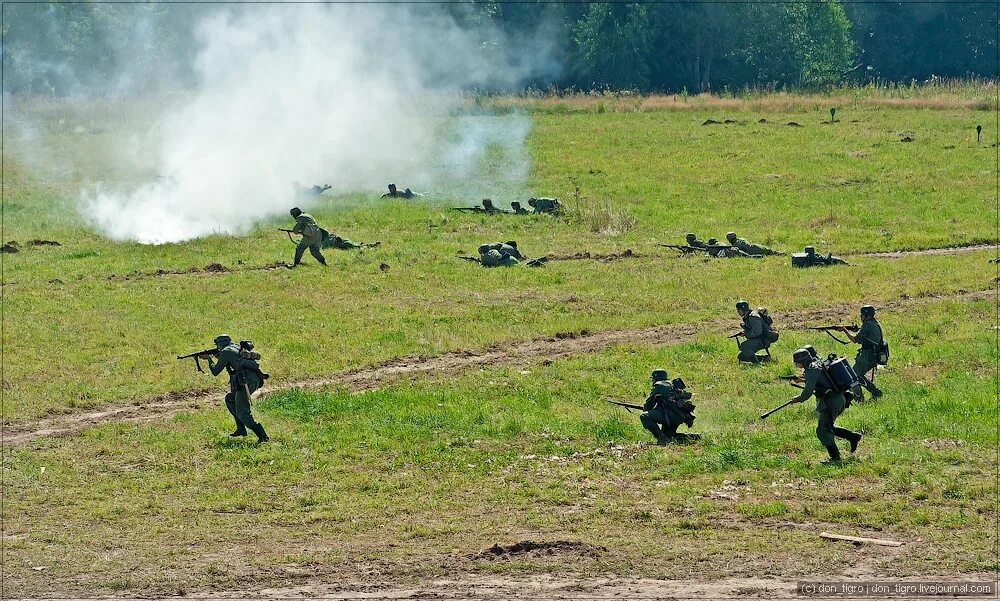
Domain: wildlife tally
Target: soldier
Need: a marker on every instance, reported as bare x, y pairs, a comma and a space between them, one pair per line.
694, 242
869, 336
308, 191
312, 236
829, 404
666, 408
748, 248
545, 205
518, 209
394, 193
756, 331
810, 257
335, 241
244, 378
722, 250
493, 255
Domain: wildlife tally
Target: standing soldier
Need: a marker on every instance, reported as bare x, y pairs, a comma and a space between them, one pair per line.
869, 336
829, 404
757, 331
666, 408
748, 247
312, 236
245, 377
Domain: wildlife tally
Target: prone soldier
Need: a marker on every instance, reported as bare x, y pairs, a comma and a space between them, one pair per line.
500, 254
395, 193
749, 248
545, 205
810, 257
335, 241
694, 242
517, 209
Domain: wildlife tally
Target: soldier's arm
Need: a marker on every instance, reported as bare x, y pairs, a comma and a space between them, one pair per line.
756, 328
808, 387
216, 368
651, 402
299, 225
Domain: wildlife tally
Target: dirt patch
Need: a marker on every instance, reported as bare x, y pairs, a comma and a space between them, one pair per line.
946, 250
210, 269
10, 247
539, 350
827, 220
532, 548
793, 124
43, 243
626, 254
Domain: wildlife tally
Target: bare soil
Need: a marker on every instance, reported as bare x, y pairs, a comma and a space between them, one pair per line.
948, 250
560, 345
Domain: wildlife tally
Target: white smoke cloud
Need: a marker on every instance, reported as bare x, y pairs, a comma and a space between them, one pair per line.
351, 95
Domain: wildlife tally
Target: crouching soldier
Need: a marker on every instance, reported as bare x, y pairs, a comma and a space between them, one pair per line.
240, 361
829, 403
667, 407
312, 236
758, 332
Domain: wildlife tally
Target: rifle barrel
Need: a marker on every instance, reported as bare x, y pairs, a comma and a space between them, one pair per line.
776, 409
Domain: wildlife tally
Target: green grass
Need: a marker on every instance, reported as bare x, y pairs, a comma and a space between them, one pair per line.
415, 479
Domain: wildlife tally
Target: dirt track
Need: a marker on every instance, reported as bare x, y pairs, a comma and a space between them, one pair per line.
950, 250
370, 378
546, 587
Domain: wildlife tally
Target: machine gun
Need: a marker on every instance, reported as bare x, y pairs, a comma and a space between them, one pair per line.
835, 328
684, 248
198, 355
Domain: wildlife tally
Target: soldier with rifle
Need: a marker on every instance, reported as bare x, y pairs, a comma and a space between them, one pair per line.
666, 408
335, 241
308, 191
873, 352
750, 248
240, 361
829, 404
723, 250
758, 333
693, 241
517, 209
500, 254
312, 236
487, 207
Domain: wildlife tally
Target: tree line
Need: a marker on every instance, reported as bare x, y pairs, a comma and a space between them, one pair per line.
62, 49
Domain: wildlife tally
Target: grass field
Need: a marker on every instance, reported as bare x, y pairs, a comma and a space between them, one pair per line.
413, 477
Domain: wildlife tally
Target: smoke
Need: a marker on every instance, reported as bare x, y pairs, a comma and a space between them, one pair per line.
350, 95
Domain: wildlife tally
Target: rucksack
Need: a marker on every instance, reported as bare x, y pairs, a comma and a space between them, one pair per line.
770, 334
839, 373
249, 360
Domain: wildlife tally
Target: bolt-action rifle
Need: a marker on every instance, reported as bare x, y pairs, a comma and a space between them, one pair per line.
794, 380
776, 409
628, 406
198, 355
835, 328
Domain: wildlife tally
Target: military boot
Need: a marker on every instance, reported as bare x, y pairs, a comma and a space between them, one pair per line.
240, 431
261, 434
876, 392
854, 441
834, 453
662, 441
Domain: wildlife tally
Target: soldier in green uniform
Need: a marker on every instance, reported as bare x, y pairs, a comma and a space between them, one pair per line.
335, 241
756, 332
869, 336
829, 404
666, 408
499, 254
518, 209
749, 248
244, 378
545, 205
694, 242
395, 193
810, 257
722, 250
312, 236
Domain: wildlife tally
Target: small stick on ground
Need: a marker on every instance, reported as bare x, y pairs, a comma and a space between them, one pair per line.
862, 539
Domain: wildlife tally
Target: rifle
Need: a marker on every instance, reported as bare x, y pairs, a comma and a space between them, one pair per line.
683, 248
830, 329
778, 408
197, 357
793, 380
468, 209
289, 232
467, 258
628, 406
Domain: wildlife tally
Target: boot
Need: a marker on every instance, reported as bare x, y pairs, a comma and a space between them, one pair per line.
854, 441
261, 434
834, 453
876, 393
662, 441
240, 431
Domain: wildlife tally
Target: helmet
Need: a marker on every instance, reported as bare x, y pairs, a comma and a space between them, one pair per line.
742, 306
487, 202
690, 236
713, 241
485, 248
868, 311
532, 202
295, 211
812, 350
802, 356
392, 186
730, 235
223, 340
659, 375
515, 205
511, 243
810, 250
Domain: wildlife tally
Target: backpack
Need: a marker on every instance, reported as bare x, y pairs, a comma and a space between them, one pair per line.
249, 360
839, 373
882, 351
770, 334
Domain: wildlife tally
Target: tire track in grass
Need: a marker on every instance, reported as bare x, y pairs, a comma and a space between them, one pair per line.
512, 353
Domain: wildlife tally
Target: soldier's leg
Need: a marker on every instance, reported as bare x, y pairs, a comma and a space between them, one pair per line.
241, 429
651, 421
244, 415
300, 248
824, 432
748, 351
317, 254
863, 365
